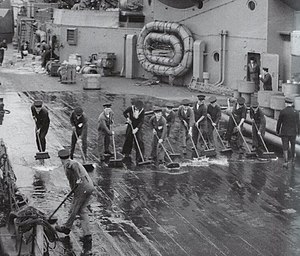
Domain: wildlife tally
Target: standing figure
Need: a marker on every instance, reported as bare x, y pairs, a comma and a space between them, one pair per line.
3, 46
158, 124
213, 118
200, 112
253, 73
24, 49
105, 120
41, 117
187, 120
83, 187
46, 53
79, 124
266, 79
135, 118
258, 127
169, 115
288, 128
236, 121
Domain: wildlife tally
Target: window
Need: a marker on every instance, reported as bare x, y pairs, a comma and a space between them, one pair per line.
72, 36
251, 5
216, 56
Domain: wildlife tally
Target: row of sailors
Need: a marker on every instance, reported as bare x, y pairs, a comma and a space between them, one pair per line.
198, 122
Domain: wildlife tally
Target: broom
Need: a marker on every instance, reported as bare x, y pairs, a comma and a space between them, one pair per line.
225, 149
88, 166
139, 149
249, 154
40, 155
208, 151
115, 162
171, 164
267, 154
173, 154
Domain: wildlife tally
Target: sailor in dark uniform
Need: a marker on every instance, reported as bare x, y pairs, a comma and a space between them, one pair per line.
258, 127
41, 117
213, 117
288, 128
236, 120
200, 126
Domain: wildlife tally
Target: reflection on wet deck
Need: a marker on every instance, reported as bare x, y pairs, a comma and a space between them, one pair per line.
223, 206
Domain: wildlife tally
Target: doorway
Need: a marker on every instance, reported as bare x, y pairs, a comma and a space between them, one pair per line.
256, 57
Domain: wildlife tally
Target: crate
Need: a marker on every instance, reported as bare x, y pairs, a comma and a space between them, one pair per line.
54, 68
69, 75
91, 81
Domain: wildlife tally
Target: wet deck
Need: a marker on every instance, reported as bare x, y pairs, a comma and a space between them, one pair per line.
226, 206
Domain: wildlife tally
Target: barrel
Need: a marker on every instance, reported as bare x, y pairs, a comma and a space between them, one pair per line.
246, 86
277, 102
263, 98
297, 103
291, 88
295, 43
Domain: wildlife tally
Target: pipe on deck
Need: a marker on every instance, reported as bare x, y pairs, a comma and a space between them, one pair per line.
269, 137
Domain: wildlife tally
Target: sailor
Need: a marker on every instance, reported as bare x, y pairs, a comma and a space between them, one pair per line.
236, 121
83, 187
42, 121
169, 115
200, 126
266, 79
158, 124
288, 127
134, 118
213, 117
258, 127
79, 122
187, 120
105, 120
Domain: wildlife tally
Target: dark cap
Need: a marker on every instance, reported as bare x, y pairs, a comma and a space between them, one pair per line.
201, 97
241, 100
38, 103
157, 109
186, 102
107, 105
78, 111
63, 154
169, 105
139, 104
289, 100
212, 99
266, 69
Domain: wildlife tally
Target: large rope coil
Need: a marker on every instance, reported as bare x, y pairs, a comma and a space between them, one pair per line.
177, 37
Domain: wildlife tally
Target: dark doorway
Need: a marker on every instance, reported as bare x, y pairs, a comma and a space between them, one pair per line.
256, 57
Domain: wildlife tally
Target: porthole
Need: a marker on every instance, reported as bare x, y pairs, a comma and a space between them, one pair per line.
216, 56
251, 5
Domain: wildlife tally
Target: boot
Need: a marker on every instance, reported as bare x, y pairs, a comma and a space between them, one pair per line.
293, 160
285, 158
87, 246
